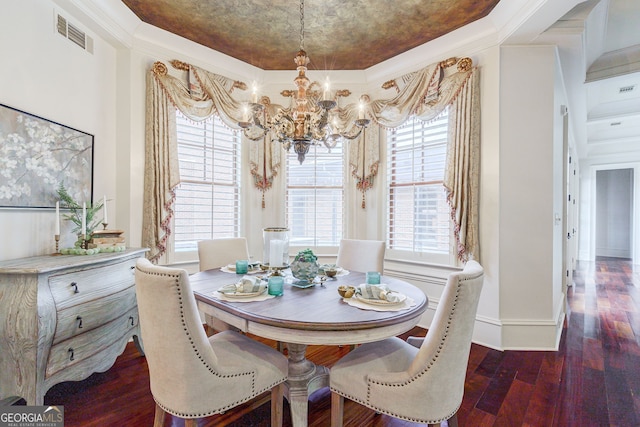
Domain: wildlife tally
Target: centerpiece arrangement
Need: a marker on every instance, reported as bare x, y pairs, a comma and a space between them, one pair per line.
86, 220
304, 267
82, 216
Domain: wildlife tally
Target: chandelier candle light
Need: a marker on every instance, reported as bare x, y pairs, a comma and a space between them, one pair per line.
308, 123
105, 222
83, 228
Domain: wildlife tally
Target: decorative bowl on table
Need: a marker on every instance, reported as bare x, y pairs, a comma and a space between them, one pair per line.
346, 291
304, 266
329, 270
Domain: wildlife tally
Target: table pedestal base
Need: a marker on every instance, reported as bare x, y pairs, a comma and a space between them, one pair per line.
304, 378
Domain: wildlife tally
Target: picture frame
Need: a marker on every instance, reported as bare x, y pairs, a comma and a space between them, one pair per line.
37, 155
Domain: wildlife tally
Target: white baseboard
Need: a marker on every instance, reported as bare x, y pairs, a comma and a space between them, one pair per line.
511, 334
487, 332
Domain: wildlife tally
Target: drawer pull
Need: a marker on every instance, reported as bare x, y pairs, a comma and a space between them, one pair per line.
74, 285
79, 319
132, 320
71, 355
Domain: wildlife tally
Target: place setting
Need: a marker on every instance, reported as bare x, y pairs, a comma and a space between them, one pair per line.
374, 295
332, 271
250, 288
242, 267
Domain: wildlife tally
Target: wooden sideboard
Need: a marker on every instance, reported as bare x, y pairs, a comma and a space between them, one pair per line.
63, 318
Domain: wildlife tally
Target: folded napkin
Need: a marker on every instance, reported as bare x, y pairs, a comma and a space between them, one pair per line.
247, 284
381, 292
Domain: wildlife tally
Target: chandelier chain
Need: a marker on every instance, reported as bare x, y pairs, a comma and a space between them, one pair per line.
302, 125
301, 24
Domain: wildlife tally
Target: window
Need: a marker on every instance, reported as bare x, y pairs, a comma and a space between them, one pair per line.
315, 198
418, 212
208, 198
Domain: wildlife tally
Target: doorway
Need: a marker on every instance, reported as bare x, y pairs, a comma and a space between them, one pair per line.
614, 213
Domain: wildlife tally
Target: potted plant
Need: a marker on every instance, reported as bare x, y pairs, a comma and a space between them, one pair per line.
75, 215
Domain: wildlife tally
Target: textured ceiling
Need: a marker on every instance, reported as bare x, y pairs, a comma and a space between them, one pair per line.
339, 34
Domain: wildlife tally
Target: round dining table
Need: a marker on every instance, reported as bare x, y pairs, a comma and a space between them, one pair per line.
312, 315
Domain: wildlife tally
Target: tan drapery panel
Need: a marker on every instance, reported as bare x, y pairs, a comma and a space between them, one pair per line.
462, 171
264, 161
416, 91
364, 160
197, 94
161, 173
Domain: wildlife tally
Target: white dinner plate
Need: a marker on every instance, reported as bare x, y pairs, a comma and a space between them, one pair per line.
380, 301
242, 294
340, 272
231, 268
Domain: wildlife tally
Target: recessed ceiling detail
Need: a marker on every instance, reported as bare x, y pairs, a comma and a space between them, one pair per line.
339, 35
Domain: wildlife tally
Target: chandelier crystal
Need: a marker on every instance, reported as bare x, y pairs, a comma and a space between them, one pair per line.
307, 121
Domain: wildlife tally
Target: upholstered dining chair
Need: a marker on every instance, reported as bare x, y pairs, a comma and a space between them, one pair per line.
192, 376
361, 255
422, 385
216, 253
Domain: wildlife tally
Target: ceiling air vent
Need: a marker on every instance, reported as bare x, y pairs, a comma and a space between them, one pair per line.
73, 33
626, 89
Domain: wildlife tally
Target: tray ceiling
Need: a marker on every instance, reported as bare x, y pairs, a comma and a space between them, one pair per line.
339, 35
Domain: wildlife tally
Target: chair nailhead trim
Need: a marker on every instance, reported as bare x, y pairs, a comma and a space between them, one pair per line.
421, 373
383, 411
254, 392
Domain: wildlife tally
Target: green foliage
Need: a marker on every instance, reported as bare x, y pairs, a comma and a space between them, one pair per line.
67, 202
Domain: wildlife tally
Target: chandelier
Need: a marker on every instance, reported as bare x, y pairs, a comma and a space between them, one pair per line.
307, 122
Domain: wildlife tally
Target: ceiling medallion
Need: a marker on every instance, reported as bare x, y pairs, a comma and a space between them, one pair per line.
308, 122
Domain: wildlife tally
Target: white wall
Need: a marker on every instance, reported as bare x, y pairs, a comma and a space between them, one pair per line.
614, 196
47, 75
530, 198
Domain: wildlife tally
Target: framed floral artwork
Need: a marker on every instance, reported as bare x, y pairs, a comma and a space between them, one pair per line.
37, 156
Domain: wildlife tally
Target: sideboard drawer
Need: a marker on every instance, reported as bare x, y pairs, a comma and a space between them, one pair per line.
74, 288
84, 317
71, 351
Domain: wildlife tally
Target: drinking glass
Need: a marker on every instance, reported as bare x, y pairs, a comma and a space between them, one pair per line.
276, 285
242, 266
373, 278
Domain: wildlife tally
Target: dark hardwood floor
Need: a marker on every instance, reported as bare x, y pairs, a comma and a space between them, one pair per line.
593, 380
